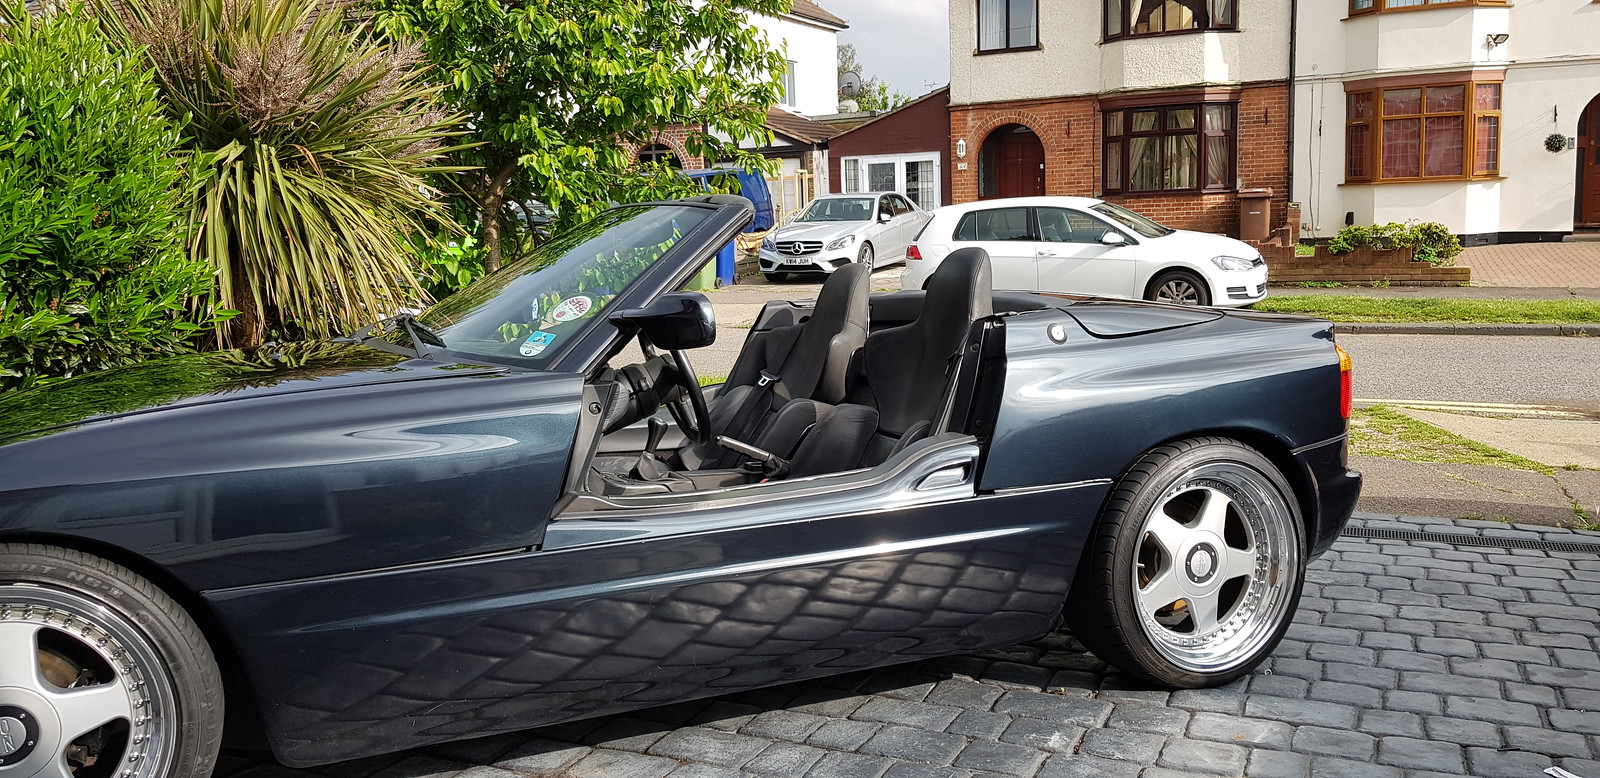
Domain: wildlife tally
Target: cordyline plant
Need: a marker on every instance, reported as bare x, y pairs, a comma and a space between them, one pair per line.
556, 89
318, 138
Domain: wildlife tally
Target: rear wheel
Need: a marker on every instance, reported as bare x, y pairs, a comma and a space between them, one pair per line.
1180, 287
776, 278
1195, 569
101, 673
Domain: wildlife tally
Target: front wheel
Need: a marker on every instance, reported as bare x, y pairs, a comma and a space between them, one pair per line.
100, 673
866, 256
1195, 569
1180, 288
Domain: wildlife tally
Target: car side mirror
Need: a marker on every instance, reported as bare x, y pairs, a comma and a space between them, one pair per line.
680, 320
885, 218
1113, 238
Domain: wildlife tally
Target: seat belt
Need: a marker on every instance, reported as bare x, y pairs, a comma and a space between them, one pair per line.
748, 418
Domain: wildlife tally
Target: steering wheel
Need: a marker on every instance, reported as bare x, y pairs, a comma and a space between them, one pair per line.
688, 409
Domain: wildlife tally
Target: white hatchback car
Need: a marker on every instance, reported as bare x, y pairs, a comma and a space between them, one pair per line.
1082, 245
872, 228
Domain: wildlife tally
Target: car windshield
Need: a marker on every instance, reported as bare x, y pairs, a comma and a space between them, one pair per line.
525, 310
838, 209
1131, 220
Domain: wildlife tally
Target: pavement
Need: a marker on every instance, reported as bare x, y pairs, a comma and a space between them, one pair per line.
1547, 265
1422, 648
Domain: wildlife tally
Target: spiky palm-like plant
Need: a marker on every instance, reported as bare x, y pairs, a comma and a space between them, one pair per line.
318, 137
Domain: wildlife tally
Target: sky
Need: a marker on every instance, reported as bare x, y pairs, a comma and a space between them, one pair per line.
906, 43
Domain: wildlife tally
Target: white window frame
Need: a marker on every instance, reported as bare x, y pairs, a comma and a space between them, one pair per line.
789, 97
899, 161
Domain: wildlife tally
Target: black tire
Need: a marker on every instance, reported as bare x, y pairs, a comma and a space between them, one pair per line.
865, 256
1252, 592
131, 646
776, 278
1180, 287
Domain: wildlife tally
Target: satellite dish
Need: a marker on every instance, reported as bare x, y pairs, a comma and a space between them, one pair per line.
849, 83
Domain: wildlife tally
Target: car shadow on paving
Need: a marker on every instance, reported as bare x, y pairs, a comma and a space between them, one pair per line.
1406, 659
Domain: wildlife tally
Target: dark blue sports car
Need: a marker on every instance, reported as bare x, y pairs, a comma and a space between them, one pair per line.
519, 507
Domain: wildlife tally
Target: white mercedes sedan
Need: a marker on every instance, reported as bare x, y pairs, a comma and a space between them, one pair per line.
1081, 245
871, 228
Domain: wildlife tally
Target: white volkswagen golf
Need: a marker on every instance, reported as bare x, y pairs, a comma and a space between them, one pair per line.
1082, 245
871, 228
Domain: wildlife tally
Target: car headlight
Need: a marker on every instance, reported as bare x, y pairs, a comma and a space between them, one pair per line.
1233, 263
770, 243
840, 243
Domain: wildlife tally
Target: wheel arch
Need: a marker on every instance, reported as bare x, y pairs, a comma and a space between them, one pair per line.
243, 724
1276, 450
1179, 267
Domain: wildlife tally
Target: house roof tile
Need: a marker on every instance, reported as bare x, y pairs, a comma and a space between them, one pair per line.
806, 9
798, 127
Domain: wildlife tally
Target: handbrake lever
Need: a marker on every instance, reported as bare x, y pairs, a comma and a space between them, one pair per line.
772, 465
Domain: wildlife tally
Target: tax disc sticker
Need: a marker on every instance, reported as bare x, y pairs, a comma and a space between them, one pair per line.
536, 343
571, 308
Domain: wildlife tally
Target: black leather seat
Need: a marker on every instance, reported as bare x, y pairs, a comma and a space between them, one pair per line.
901, 379
806, 361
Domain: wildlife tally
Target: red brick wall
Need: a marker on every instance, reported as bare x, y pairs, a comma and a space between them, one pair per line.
1069, 128
673, 138
920, 127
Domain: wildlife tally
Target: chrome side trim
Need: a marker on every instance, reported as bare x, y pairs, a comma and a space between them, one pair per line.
1320, 444
1050, 487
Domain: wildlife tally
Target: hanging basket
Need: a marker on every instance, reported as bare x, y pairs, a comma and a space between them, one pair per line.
1555, 142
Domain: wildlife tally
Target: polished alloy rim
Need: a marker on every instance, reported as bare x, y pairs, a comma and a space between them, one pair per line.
866, 256
82, 691
1215, 569
1178, 290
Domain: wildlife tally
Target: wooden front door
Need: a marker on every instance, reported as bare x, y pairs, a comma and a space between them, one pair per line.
1589, 165
1021, 168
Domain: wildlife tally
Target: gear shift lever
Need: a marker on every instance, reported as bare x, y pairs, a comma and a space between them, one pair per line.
650, 466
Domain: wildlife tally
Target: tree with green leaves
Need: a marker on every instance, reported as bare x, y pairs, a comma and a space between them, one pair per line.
318, 138
555, 90
874, 94
93, 272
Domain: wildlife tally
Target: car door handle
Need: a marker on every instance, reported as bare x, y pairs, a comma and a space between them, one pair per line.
951, 475
1044, 253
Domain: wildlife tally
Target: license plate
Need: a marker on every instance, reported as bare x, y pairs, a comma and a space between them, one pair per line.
797, 261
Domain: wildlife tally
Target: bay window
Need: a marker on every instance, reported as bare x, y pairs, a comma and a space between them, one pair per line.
1419, 132
1188, 147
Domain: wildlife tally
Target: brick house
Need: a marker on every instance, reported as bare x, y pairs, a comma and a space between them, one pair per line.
1170, 108
1440, 111
905, 150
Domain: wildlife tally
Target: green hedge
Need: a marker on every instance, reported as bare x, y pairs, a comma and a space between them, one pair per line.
93, 271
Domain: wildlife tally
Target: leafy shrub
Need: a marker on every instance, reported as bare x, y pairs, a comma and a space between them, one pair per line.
319, 138
93, 271
1433, 242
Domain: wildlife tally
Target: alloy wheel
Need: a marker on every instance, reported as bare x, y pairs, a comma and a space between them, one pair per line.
1217, 559
1178, 290
82, 690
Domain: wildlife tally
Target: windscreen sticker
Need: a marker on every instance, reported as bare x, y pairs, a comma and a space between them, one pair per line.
537, 343
571, 308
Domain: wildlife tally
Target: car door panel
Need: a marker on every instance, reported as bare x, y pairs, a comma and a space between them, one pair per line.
1073, 260
628, 610
1007, 237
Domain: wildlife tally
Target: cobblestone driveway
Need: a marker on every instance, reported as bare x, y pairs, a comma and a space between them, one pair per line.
1407, 659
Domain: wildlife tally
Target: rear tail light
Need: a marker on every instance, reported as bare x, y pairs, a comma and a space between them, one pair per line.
1346, 388
912, 252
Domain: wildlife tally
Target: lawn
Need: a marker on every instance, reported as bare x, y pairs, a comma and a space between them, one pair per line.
1453, 310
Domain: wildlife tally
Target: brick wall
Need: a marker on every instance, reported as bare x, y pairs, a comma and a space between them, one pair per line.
673, 138
1364, 264
1069, 129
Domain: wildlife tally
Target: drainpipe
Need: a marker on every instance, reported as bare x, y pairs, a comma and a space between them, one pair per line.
1294, 23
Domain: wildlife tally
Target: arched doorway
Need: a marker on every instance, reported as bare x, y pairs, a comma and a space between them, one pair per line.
657, 153
1011, 163
1588, 212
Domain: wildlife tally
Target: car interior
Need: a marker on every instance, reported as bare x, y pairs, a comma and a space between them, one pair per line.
842, 385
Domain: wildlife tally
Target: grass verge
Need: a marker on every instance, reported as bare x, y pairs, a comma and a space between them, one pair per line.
1456, 311
1381, 431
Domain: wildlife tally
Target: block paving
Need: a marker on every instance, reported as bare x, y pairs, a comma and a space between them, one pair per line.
1406, 660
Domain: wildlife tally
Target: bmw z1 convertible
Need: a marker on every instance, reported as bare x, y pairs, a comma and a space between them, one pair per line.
519, 507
